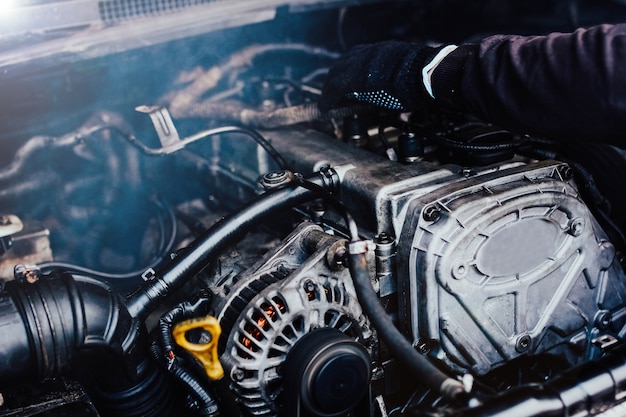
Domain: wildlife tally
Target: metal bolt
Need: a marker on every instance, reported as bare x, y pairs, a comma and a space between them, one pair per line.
576, 226
431, 213
383, 239
459, 269
238, 375
523, 343
566, 172
309, 286
23, 273
467, 172
603, 319
423, 346
276, 179
340, 256
336, 256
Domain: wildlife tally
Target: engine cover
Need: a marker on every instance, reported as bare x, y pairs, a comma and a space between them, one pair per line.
507, 264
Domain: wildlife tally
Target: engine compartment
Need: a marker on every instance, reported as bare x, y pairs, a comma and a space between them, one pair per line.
184, 232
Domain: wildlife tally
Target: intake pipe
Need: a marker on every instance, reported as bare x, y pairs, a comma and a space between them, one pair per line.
47, 323
51, 325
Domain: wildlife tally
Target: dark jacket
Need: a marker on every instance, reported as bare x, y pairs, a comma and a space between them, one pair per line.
561, 85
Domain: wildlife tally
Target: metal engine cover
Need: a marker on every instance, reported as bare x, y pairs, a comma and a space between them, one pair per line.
507, 264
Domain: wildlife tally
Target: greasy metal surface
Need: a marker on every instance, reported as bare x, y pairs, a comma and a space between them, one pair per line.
515, 264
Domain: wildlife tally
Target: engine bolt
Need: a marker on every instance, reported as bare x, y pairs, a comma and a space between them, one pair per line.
603, 319
238, 375
276, 179
309, 286
23, 273
523, 343
423, 346
431, 213
459, 269
576, 226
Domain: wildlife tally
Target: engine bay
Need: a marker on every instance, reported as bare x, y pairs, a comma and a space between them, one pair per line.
184, 232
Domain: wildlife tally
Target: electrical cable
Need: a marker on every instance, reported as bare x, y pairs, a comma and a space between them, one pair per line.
208, 405
164, 247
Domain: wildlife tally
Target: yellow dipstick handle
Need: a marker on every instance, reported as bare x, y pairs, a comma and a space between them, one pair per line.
206, 353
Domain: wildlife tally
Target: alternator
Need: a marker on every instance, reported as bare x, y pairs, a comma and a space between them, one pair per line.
315, 294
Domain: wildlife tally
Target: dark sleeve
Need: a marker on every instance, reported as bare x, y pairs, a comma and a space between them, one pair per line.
561, 85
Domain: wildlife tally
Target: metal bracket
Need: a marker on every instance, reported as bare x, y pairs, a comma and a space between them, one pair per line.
163, 124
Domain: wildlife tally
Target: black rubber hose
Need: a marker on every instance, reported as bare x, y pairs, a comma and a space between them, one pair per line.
588, 389
45, 326
419, 366
217, 238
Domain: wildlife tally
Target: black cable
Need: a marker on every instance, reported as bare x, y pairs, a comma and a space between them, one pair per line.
334, 202
208, 405
463, 146
217, 238
164, 247
180, 312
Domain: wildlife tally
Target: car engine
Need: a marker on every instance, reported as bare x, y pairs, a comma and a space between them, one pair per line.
184, 232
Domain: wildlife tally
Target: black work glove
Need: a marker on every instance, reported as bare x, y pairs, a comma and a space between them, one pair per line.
386, 74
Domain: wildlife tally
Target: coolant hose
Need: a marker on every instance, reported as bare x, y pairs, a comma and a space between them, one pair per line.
217, 238
419, 366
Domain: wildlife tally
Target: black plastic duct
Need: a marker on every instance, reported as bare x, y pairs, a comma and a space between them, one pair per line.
53, 325
47, 323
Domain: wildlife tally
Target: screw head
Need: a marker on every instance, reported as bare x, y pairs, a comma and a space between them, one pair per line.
238, 374
309, 286
576, 226
523, 343
431, 213
276, 179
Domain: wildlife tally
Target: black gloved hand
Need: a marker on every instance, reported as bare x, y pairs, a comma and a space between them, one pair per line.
386, 74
